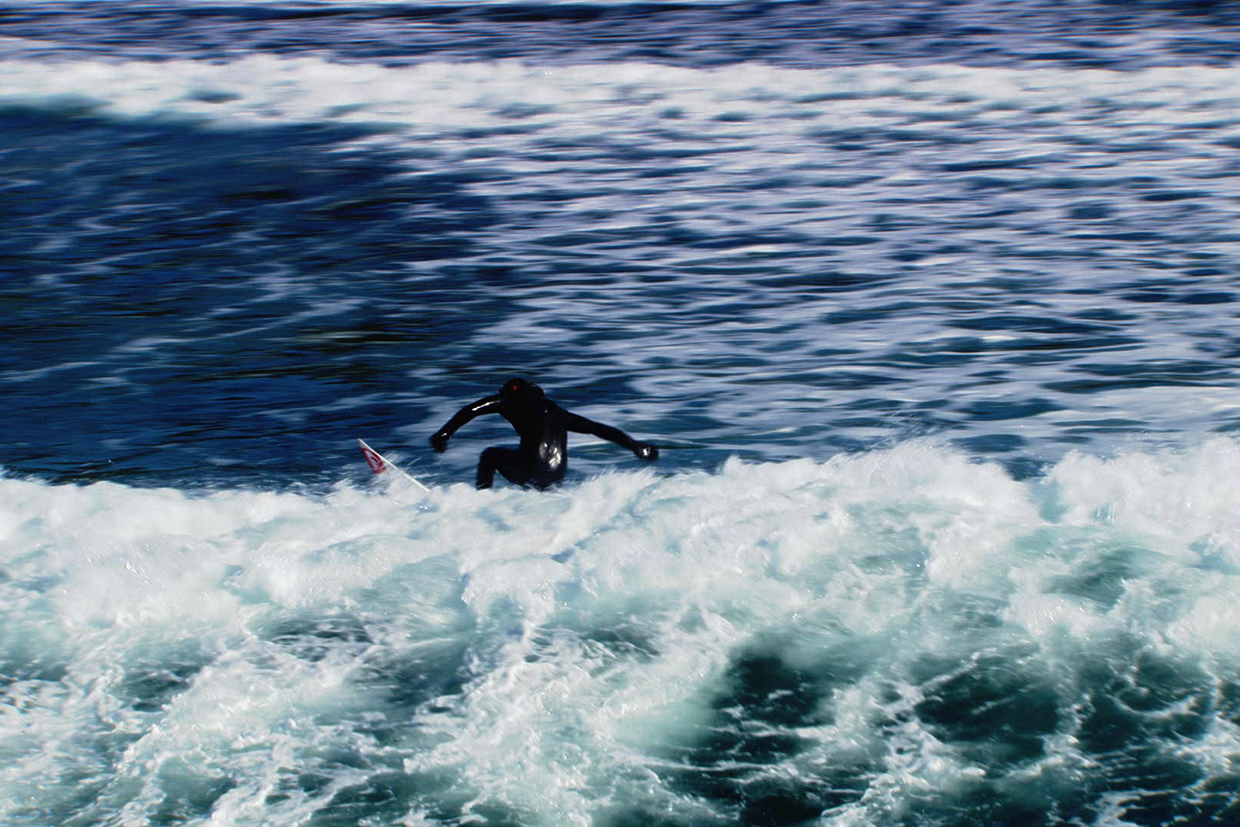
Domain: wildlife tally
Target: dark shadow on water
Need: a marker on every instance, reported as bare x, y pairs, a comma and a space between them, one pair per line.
763, 699
990, 709
313, 639
189, 305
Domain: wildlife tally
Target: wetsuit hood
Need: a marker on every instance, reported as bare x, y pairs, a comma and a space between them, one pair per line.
516, 387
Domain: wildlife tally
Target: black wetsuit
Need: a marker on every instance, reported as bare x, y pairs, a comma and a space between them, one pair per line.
542, 457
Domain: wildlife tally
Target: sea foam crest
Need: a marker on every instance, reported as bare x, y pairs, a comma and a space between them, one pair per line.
615, 643
432, 97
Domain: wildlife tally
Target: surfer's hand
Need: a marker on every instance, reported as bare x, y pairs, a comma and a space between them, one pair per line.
646, 451
439, 442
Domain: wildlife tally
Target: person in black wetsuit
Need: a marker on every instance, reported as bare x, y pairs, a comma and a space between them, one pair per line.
542, 457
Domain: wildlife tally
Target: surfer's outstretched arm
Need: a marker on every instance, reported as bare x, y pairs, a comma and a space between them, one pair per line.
491, 404
581, 425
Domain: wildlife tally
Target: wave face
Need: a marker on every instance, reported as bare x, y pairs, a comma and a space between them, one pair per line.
224, 270
897, 637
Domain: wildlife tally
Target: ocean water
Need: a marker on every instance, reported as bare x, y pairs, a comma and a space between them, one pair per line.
933, 308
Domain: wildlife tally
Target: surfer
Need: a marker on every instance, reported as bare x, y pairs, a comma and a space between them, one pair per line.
542, 457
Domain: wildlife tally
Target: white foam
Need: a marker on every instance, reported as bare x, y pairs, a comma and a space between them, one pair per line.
598, 623
432, 97
1180, 499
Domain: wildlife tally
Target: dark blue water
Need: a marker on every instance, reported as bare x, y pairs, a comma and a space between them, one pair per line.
932, 308
798, 269
796, 33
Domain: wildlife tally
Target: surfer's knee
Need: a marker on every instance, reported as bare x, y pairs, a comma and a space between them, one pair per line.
488, 462
507, 462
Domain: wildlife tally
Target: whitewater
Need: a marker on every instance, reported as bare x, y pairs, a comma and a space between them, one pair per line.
893, 635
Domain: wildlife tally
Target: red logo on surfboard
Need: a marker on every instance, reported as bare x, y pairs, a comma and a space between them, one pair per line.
375, 461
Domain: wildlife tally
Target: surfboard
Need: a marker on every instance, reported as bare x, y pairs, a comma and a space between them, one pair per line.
379, 464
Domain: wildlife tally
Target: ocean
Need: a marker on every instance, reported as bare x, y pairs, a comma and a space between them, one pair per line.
931, 306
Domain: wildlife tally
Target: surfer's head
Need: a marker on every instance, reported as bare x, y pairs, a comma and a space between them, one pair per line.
515, 388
